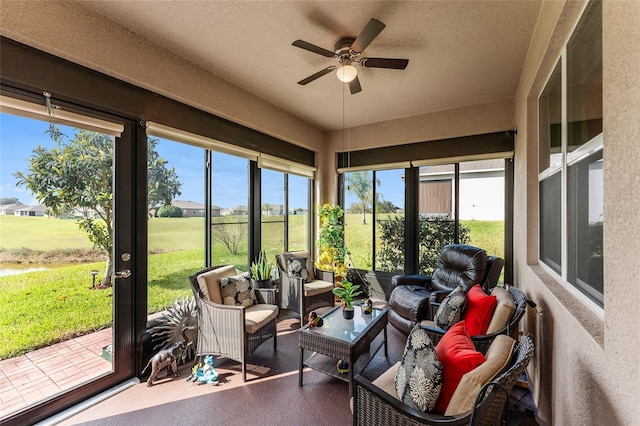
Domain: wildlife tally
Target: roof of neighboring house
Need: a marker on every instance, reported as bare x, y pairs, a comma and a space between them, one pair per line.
13, 206
33, 209
187, 204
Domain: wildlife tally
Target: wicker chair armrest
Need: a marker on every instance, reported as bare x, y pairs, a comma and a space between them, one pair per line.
373, 406
323, 275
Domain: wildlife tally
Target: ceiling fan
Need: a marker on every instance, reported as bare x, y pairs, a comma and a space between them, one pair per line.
347, 50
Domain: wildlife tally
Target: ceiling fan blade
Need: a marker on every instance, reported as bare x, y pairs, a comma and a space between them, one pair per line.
396, 64
354, 86
371, 31
316, 75
313, 48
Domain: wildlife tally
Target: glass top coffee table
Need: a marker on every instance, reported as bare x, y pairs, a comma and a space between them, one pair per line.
342, 339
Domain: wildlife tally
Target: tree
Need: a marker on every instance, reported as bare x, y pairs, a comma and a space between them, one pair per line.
384, 206
163, 182
8, 200
78, 174
360, 184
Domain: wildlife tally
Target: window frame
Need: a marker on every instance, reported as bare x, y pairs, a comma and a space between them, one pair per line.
589, 147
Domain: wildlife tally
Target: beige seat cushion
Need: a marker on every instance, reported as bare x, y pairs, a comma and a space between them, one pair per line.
317, 287
385, 381
505, 307
498, 358
209, 282
289, 254
257, 316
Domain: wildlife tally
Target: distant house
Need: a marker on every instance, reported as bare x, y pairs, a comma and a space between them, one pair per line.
273, 210
31, 211
481, 190
189, 208
10, 209
241, 210
193, 209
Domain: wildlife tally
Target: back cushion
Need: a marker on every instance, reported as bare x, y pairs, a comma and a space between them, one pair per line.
459, 264
498, 358
504, 309
458, 356
209, 282
284, 262
480, 308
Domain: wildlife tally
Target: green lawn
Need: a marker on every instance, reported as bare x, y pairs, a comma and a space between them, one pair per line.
40, 308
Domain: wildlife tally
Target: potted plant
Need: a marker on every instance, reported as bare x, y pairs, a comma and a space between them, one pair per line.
346, 293
261, 271
332, 249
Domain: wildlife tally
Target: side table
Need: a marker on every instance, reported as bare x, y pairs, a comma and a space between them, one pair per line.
270, 296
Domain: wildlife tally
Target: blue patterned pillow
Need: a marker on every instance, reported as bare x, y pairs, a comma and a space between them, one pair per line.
297, 267
419, 378
451, 310
238, 291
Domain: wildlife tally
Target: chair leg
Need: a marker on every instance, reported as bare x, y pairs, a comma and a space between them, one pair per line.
275, 338
244, 370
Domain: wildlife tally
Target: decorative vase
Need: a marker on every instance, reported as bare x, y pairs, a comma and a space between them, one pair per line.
348, 313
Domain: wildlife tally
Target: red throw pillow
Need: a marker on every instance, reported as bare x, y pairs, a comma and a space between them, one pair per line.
458, 356
480, 307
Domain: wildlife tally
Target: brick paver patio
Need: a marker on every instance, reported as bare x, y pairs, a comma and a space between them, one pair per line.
45, 372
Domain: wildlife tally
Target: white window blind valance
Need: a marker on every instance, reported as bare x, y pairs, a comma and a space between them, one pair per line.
39, 112
387, 166
165, 132
460, 159
285, 166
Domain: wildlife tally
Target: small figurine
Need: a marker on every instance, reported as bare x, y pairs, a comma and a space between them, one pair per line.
367, 308
204, 373
315, 320
342, 366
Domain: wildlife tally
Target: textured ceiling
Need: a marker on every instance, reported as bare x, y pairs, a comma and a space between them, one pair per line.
460, 52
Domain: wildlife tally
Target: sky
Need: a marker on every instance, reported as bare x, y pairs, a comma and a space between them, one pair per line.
19, 136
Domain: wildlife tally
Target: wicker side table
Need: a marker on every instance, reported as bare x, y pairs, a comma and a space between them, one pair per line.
270, 296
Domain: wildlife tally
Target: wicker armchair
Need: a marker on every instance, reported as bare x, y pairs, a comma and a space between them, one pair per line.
231, 331
373, 406
482, 342
300, 296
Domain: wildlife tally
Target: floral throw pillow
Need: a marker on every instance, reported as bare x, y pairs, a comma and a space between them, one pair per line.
451, 310
297, 267
419, 378
238, 291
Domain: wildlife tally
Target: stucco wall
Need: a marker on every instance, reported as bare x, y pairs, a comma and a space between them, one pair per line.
586, 369
75, 33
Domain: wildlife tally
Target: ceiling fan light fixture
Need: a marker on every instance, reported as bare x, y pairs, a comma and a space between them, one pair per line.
346, 73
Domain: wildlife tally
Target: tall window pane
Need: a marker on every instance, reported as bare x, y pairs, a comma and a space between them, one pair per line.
390, 223
230, 192
551, 222
482, 204
584, 78
585, 217
550, 112
298, 232
176, 220
436, 207
273, 214
358, 231
550, 185
56, 298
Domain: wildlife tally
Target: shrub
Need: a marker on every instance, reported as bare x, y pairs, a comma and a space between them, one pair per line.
434, 233
169, 211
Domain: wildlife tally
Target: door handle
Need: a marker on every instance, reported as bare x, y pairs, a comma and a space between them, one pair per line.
125, 273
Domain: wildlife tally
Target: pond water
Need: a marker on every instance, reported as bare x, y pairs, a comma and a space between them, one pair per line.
22, 268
